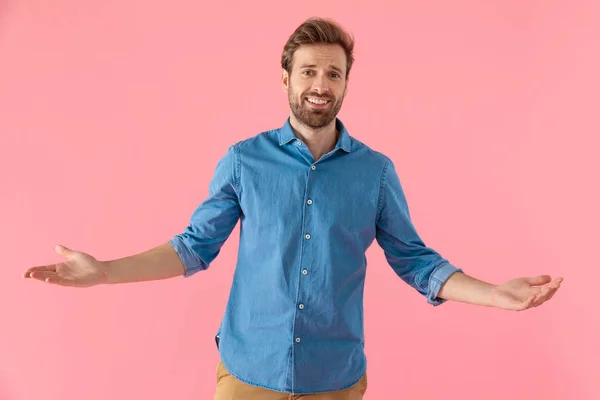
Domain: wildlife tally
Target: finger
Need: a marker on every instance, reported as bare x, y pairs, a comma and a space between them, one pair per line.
528, 304
556, 283
542, 297
42, 275
53, 278
63, 251
552, 292
57, 280
538, 280
553, 283
41, 268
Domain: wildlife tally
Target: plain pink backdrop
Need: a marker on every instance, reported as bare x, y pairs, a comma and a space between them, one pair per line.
113, 115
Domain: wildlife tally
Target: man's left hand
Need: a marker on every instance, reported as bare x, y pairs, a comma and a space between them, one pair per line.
524, 293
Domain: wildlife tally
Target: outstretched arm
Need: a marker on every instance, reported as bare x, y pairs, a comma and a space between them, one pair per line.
432, 275
83, 270
191, 251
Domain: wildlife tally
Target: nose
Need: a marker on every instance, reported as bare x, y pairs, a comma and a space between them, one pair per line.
320, 84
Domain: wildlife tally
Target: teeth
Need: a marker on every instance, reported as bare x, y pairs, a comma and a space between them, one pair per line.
316, 101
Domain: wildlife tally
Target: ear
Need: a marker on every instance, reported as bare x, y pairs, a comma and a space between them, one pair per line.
285, 80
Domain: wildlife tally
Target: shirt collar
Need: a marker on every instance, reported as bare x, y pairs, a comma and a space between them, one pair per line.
286, 135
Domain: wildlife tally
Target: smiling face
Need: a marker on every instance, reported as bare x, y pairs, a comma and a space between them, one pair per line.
316, 84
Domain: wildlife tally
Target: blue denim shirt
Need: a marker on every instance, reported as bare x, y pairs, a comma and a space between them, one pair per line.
294, 318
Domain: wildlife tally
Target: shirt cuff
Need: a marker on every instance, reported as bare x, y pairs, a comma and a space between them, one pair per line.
191, 262
438, 277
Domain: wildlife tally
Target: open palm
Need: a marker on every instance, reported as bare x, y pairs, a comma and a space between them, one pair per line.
79, 269
523, 293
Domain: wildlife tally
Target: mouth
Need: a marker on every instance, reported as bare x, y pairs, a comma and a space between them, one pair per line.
317, 102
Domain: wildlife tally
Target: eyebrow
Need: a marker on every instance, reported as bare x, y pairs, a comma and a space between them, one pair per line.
315, 66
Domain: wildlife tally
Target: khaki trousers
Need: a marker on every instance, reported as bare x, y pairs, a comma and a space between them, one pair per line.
230, 388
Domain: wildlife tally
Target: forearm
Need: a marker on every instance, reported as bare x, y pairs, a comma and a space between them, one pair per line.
161, 262
464, 288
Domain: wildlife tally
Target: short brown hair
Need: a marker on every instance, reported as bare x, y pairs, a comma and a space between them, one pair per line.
318, 31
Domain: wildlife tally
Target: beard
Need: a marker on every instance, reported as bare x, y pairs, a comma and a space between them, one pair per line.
313, 117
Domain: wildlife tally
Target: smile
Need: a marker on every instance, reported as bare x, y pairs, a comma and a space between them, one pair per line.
317, 102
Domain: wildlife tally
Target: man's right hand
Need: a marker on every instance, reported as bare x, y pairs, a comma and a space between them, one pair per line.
79, 269
83, 270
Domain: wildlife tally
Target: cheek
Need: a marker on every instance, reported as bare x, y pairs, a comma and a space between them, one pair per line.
298, 87
297, 90
298, 94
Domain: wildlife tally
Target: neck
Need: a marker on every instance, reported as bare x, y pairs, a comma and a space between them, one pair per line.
319, 141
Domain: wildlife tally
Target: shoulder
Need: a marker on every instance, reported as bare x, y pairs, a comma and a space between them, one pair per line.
370, 154
257, 141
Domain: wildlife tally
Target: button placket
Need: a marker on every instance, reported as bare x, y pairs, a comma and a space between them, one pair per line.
307, 236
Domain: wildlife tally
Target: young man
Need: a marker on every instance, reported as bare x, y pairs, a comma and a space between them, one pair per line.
310, 200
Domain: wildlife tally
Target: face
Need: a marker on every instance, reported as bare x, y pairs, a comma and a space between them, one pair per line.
316, 84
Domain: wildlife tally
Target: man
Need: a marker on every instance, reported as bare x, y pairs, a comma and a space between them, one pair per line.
310, 200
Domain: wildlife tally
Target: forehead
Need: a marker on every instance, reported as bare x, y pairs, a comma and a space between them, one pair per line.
322, 55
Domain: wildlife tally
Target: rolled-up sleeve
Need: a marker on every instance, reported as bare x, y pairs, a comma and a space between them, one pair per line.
214, 219
416, 264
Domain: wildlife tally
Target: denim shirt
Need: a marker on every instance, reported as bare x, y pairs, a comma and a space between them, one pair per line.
294, 318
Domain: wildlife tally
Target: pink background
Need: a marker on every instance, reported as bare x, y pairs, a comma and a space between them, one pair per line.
113, 116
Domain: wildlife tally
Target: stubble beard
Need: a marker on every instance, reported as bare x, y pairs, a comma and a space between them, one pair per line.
313, 118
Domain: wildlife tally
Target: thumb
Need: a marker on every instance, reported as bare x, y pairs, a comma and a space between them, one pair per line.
63, 251
538, 280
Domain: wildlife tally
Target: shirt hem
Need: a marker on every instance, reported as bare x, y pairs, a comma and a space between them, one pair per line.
297, 392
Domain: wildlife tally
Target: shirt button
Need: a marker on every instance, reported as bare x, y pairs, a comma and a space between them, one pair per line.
309, 201
297, 340
304, 272
298, 143
307, 236
301, 306
313, 167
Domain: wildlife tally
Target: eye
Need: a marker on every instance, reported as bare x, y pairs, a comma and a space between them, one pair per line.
306, 72
336, 75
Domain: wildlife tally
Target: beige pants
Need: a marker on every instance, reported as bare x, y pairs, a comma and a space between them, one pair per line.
230, 388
